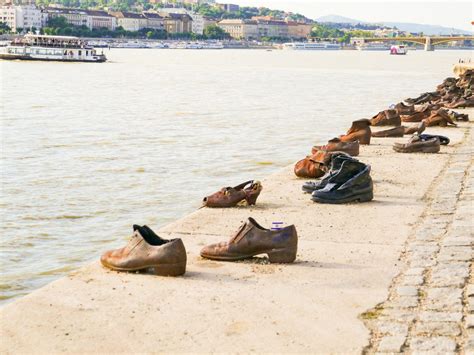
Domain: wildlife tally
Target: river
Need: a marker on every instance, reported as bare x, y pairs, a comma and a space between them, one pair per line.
90, 149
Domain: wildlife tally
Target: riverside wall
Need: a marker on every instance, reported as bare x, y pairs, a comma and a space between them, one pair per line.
335, 298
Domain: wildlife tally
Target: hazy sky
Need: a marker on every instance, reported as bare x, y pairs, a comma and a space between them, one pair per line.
457, 14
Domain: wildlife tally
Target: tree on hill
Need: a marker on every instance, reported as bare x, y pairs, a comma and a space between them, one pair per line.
215, 32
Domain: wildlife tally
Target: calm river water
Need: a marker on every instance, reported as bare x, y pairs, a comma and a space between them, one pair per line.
90, 149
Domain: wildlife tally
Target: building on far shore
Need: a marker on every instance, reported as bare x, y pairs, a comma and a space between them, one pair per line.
75, 17
154, 21
130, 21
177, 23
240, 29
21, 16
299, 30
272, 28
229, 7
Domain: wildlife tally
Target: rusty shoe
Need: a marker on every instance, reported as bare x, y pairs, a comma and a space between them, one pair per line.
146, 250
386, 118
392, 132
417, 144
336, 145
440, 117
252, 239
359, 131
231, 196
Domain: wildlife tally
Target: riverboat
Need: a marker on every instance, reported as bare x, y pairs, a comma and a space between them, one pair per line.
310, 46
51, 48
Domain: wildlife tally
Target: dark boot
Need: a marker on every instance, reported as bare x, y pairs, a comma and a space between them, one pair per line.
351, 183
334, 164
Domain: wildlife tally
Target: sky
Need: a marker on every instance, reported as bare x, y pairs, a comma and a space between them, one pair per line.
454, 14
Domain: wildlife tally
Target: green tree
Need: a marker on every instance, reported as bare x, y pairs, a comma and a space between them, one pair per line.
4, 28
215, 32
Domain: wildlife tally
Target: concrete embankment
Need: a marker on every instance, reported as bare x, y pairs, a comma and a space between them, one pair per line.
347, 259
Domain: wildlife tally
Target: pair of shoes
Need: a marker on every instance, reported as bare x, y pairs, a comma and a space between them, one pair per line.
348, 180
231, 196
147, 251
359, 131
252, 239
400, 131
386, 118
316, 165
419, 144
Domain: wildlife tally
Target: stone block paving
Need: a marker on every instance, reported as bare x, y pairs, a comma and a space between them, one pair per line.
430, 307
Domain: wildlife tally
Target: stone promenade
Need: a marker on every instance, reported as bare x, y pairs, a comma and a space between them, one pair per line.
430, 307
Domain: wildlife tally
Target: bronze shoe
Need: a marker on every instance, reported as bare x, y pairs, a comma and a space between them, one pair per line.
415, 129
146, 250
386, 118
415, 117
252, 239
336, 145
231, 196
311, 166
393, 132
440, 117
418, 145
359, 131
403, 109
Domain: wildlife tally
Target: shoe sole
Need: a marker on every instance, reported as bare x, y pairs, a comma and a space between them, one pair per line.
177, 269
275, 256
364, 197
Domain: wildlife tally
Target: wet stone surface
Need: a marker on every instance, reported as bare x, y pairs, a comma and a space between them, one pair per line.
430, 307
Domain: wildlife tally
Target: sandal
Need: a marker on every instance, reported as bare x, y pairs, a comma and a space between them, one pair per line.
231, 196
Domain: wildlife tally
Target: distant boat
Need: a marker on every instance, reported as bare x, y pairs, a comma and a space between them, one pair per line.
373, 47
398, 50
311, 46
51, 48
131, 44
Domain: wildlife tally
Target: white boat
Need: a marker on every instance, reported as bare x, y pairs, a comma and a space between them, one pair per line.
158, 45
312, 46
131, 44
98, 44
51, 48
212, 45
398, 50
373, 47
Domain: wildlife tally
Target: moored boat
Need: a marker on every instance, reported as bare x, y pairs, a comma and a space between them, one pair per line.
373, 47
312, 46
51, 48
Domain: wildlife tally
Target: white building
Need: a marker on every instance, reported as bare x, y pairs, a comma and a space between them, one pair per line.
198, 22
21, 16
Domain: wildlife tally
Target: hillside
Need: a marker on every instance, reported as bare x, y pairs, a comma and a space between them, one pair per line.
403, 26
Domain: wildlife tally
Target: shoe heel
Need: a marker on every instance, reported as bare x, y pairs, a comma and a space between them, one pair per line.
169, 269
251, 197
369, 196
282, 256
